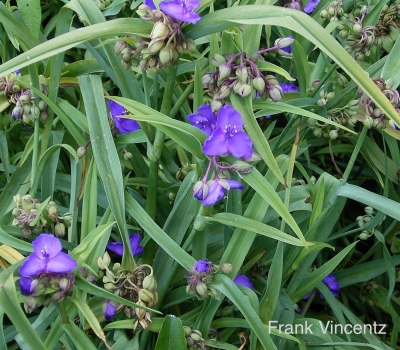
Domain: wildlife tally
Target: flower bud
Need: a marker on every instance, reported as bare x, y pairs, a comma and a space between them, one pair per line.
196, 335
149, 283
29, 304
42, 105
259, 84
253, 158
80, 152
226, 268
242, 167
224, 92
200, 190
207, 79
64, 284
369, 210
244, 90
187, 330
155, 46
333, 134
59, 229
224, 184
166, 55
284, 42
217, 60
146, 295
160, 31
201, 290
128, 156
275, 93
317, 132
216, 104
224, 71
242, 74
364, 235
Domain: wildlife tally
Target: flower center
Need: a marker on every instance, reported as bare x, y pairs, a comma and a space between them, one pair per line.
230, 130
45, 254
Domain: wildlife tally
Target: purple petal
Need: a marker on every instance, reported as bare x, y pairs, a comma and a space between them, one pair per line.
229, 116
240, 145
307, 296
215, 193
46, 244
235, 185
192, 4
116, 109
62, 263
134, 239
202, 265
32, 266
109, 310
125, 126
150, 4
180, 10
289, 87
242, 280
215, 145
204, 119
116, 247
310, 6
25, 285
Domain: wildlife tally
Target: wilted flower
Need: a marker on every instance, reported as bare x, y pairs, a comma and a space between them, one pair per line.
310, 6
228, 136
204, 119
289, 87
110, 309
216, 190
123, 125
242, 280
47, 257
181, 10
118, 247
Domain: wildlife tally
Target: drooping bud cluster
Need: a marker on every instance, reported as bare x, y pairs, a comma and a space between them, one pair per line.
138, 286
201, 275
341, 115
388, 25
363, 220
30, 215
46, 274
374, 116
333, 11
166, 42
194, 339
102, 4
240, 74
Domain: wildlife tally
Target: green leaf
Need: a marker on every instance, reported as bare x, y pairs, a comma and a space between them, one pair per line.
264, 188
83, 250
172, 335
78, 336
270, 67
4, 154
31, 14
391, 69
106, 157
239, 221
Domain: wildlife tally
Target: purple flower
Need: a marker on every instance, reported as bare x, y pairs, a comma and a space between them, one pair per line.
46, 257
333, 285
228, 136
110, 309
202, 265
25, 284
118, 247
242, 280
310, 6
289, 87
123, 125
181, 10
204, 119
216, 190
150, 4
18, 71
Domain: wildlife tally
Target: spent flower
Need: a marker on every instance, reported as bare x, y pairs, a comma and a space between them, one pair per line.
244, 281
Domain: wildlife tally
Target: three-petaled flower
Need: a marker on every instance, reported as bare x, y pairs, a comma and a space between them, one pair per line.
118, 247
333, 285
47, 257
181, 10
110, 309
204, 119
122, 124
244, 281
216, 190
229, 136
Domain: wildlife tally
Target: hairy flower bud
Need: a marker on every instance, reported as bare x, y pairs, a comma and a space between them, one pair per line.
59, 229
160, 31
275, 93
333, 134
224, 92
155, 46
244, 90
242, 74
207, 79
201, 290
259, 84
149, 283
224, 71
80, 152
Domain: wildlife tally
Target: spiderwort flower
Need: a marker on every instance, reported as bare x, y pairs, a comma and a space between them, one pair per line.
310, 6
242, 280
333, 285
118, 247
204, 119
25, 284
228, 136
202, 265
289, 87
47, 257
123, 125
181, 10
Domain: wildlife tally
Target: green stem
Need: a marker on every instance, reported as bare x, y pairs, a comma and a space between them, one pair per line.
146, 88
63, 312
354, 155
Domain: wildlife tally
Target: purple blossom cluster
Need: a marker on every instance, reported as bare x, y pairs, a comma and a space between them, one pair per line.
225, 137
46, 273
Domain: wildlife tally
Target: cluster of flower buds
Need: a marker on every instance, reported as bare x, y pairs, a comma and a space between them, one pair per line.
30, 215
103, 4
240, 74
138, 286
46, 274
374, 116
363, 220
166, 42
9, 87
194, 339
341, 115
388, 25
201, 275
334, 11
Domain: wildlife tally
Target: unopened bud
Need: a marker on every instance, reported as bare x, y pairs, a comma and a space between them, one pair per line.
146, 296
59, 229
259, 84
333, 134
224, 92
242, 74
254, 158
207, 79
149, 283
226, 268
244, 90
224, 71
242, 167
284, 42
217, 60
369, 210
216, 104
166, 55
276, 93
160, 31
155, 46
201, 290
